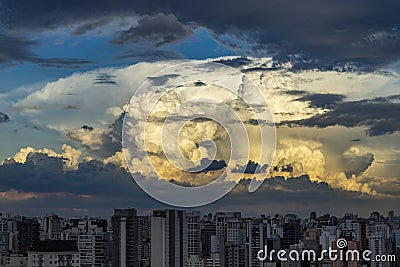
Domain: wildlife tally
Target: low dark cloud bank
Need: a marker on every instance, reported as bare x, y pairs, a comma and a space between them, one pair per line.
96, 188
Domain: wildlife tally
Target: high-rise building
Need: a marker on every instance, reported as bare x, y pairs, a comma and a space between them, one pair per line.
235, 255
28, 233
235, 231
193, 236
258, 236
377, 246
93, 241
397, 236
144, 241
208, 233
291, 231
52, 226
4, 251
125, 238
168, 239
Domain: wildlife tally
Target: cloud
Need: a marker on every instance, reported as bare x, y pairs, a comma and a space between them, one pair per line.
89, 26
97, 103
61, 63
41, 185
100, 141
379, 115
356, 31
16, 49
160, 29
357, 160
69, 156
4, 118
324, 101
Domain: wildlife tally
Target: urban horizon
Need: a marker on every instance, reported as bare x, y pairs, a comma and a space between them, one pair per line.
198, 240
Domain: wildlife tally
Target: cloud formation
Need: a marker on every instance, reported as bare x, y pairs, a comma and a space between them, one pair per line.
4, 118
16, 49
160, 29
41, 184
358, 31
297, 99
379, 115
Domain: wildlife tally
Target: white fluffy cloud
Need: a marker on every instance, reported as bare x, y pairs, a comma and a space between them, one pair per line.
69, 155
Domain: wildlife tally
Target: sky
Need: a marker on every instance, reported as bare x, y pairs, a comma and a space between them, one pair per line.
329, 71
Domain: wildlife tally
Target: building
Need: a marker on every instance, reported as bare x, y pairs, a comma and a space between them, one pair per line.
93, 241
207, 234
4, 250
52, 226
291, 231
193, 237
28, 233
168, 239
144, 241
15, 261
214, 260
235, 255
377, 246
258, 236
51, 253
125, 238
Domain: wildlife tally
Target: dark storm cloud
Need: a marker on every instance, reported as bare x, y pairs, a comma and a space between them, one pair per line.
160, 29
16, 49
326, 101
355, 31
209, 165
4, 118
380, 115
89, 26
251, 168
96, 189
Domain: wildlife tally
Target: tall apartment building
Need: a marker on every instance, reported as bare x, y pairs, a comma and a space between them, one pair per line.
52, 226
291, 231
193, 235
144, 241
207, 234
125, 238
234, 256
4, 251
93, 241
258, 236
28, 233
168, 239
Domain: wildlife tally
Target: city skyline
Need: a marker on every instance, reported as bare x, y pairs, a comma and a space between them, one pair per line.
169, 237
